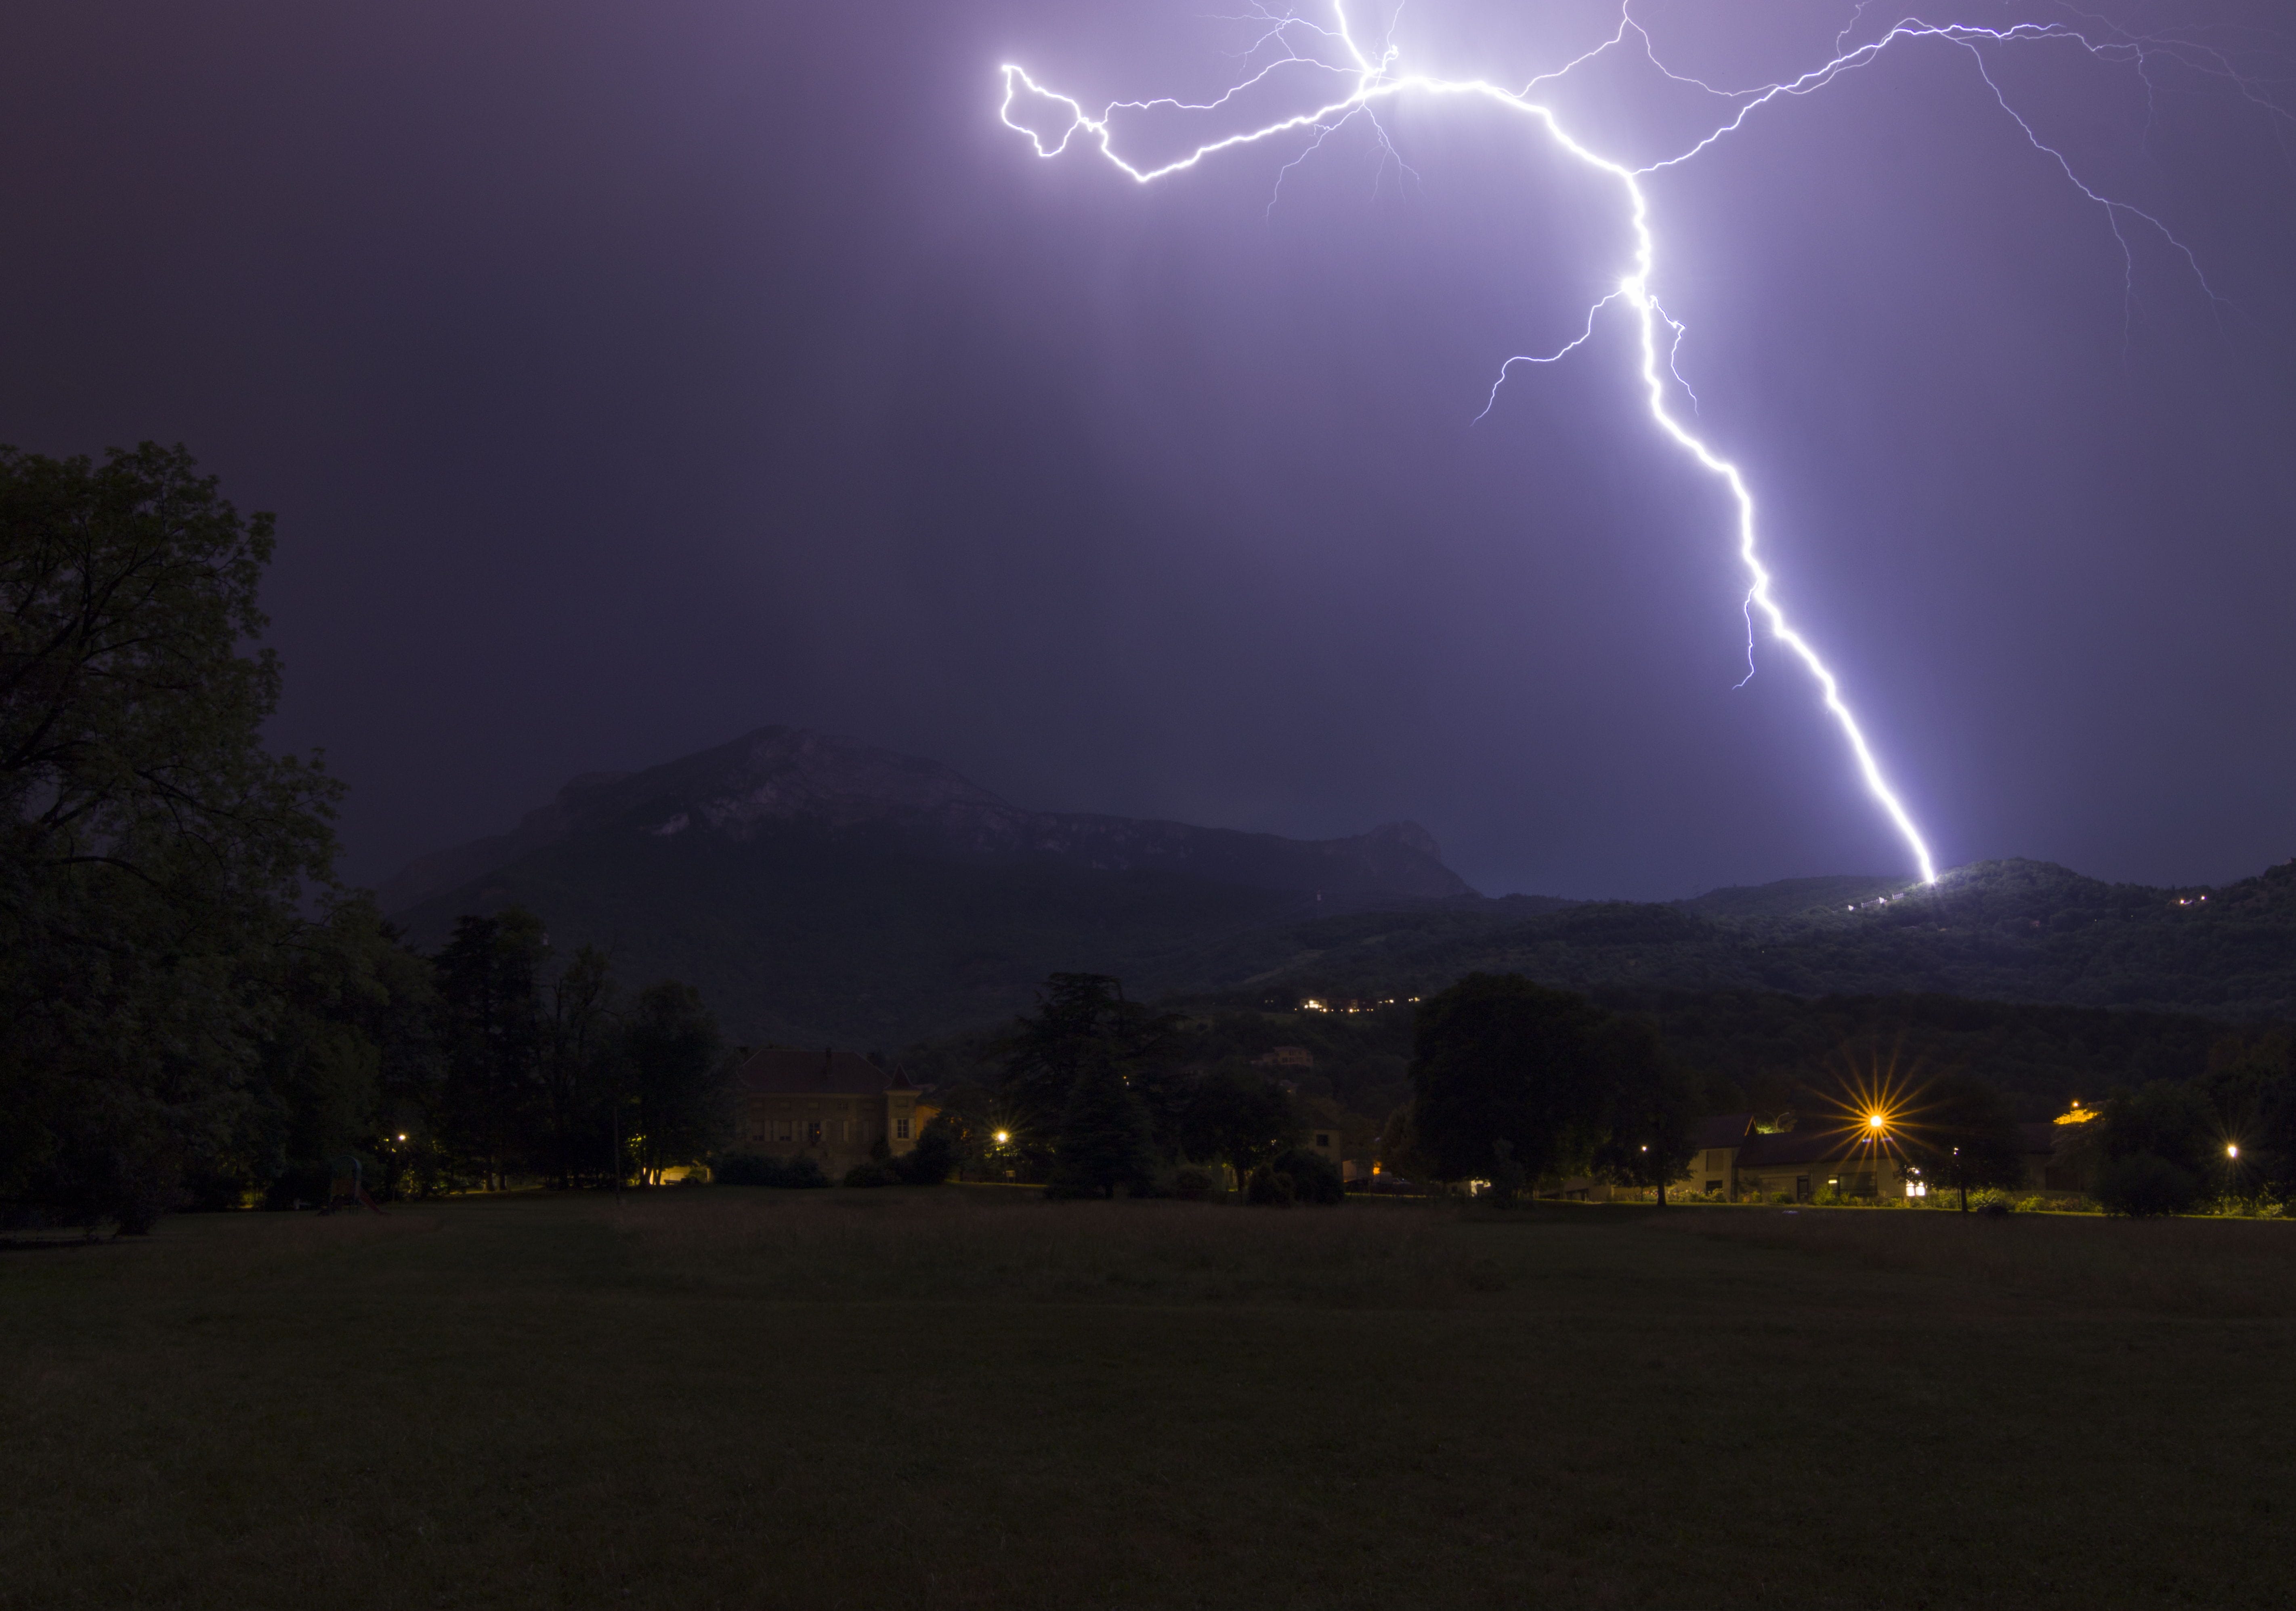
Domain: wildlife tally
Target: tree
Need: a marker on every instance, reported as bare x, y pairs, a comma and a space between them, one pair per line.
1082, 1023
1237, 1119
1297, 1174
2251, 1084
1648, 1105
349, 1061
678, 1077
2161, 1149
1962, 1137
1497, 1058
492, 1039
577, 1042
152, 852
1104, 1138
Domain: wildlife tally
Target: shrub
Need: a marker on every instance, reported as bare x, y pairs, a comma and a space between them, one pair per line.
1266, 1188
1194, 1185
872, 1173
2141, 1185
1314, 1179
1993, 1201
754, 1169
931, 1160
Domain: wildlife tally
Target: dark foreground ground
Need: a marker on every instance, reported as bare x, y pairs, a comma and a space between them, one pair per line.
965, 1398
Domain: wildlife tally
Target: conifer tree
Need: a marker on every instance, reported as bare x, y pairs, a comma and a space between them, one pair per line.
1104, 1138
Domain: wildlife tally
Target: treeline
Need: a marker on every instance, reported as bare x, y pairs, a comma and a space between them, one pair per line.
1520, 1083
1093, 1095
174, 1024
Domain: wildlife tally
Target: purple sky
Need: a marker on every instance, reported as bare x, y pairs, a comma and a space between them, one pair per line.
628, 376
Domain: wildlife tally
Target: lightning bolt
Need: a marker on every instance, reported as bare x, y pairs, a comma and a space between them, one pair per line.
1361, 80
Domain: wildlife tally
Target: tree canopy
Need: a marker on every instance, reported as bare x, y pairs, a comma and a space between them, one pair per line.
1500, 1058
1963, 1138
152, 851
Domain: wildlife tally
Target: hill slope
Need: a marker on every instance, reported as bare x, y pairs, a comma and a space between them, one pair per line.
2009, 931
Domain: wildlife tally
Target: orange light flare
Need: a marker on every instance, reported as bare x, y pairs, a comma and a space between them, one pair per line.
1876, 1108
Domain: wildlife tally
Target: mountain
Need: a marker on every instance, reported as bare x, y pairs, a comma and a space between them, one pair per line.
823, 892
818, 889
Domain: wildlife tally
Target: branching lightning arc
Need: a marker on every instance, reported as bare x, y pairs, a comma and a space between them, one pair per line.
1364, 79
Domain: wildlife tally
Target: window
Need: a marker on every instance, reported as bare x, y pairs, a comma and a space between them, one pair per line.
1801, 1189
901, 1129
1713, 1186
782, 1130
813, 1133
1323, 1139
1861, 1186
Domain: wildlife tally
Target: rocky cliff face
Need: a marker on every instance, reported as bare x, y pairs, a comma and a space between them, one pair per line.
778, 775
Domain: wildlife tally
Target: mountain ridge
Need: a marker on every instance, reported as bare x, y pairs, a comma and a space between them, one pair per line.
817, 891
778, 775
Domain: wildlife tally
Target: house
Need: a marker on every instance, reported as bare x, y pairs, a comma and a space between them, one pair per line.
831, 1106
1711, 1169
1804, 1164
1285, 1056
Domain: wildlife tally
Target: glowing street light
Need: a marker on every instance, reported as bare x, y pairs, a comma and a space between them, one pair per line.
2232, 1150
1003, 1136
1876, 1122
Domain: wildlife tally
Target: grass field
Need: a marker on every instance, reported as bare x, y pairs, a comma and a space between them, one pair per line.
973, 1398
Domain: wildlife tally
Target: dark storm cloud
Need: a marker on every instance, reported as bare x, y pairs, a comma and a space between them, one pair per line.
625, 377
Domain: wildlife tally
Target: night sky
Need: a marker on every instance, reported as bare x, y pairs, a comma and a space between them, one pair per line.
628, 376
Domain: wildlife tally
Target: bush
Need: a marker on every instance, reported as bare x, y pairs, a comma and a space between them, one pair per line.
2141, 1185
1264, 1188
1314, 1179
1194, 1185
1992, 1201
754, 1169
931, 1160
872, 1173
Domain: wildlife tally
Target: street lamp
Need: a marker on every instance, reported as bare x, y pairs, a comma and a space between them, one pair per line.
1003, 1136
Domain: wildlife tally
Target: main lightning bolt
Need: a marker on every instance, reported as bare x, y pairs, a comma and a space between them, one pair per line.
1362, 80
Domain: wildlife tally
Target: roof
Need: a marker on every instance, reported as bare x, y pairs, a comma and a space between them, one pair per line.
796, 1070
1723, 1130
1815, 1145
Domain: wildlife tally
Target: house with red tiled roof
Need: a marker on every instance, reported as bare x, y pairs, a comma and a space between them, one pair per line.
831, 1106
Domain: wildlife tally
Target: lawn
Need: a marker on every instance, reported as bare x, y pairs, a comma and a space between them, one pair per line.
969, 1397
